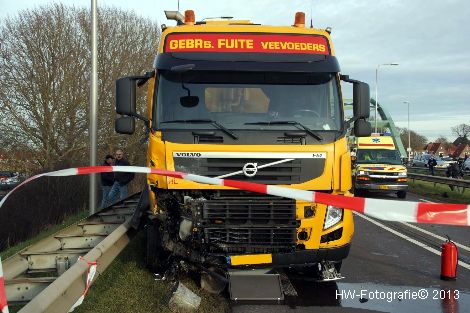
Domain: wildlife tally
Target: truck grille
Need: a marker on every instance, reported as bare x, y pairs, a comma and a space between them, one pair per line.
250, 211
251, 240
383, 180
246, 223
291, 172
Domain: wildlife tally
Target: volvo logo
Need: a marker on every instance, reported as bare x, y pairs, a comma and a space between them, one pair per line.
250, 169
187, 154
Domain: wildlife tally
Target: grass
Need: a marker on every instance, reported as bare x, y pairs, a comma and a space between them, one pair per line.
44, 234
439, 191
127, 286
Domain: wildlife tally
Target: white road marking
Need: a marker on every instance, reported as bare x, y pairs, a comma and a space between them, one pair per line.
416, 242
424, 200
435, 236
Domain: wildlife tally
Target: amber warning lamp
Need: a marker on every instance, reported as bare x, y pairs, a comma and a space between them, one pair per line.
189, 17
299, 19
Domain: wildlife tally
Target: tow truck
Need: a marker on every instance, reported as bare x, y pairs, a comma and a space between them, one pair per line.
263, 104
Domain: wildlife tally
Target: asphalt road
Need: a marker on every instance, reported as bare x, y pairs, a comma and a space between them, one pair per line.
392, 267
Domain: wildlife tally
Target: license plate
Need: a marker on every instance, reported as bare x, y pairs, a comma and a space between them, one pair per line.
383, 187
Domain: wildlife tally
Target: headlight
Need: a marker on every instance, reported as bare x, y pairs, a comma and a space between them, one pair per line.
402, 174
333, 216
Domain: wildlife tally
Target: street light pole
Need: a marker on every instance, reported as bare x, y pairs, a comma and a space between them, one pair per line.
93, 104
376, 89
409, 132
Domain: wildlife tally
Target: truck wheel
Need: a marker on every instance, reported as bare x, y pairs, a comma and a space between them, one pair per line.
338, 266
213, 283
401, 194
359, 193
155, 257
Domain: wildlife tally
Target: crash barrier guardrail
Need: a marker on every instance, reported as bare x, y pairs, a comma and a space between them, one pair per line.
441, 180
424, 170
73, 255
389, 210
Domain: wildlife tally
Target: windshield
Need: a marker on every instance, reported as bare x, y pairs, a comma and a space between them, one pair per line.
378, 156
240, 100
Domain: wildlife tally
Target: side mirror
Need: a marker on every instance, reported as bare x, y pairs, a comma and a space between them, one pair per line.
362, 128
361, 97
361, 100
124, 125
125, 96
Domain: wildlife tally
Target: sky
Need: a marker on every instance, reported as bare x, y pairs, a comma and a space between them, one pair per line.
429, 39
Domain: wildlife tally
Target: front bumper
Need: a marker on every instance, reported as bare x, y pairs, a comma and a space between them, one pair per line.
294, 258
380, 187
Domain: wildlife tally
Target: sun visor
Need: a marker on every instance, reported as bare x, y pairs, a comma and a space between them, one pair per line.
250, 62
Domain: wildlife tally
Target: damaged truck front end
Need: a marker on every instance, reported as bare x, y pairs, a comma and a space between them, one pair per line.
249, 103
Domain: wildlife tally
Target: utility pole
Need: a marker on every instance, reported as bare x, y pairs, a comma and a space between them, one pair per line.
93, 104
376, 89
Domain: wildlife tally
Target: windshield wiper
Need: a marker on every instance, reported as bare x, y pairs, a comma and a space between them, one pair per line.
308, 130
203, 121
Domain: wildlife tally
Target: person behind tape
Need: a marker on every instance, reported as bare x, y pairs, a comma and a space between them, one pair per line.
431, 163
119, 191
107, 181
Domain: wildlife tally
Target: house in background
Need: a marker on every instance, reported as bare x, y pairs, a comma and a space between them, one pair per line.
458, 149
432, 147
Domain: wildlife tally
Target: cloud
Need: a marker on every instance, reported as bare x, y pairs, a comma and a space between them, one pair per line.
429, 39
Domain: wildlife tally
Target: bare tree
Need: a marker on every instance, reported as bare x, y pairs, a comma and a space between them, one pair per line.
45, 70
42, 101
127, 46
417, 141
461, 130
445, 143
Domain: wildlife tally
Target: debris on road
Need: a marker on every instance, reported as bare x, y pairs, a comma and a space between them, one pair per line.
183, 299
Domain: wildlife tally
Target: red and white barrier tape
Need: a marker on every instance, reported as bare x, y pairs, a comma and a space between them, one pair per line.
389, 210
89, 279
3, 295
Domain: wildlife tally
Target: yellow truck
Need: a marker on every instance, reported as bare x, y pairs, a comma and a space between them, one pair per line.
378, 167
263, 104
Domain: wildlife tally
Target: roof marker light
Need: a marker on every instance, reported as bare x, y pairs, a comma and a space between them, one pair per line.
189, 17
299, 19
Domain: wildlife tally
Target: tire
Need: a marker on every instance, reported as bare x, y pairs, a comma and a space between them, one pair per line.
156, 256
338, 266
213, 284
401, 194
359, 193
